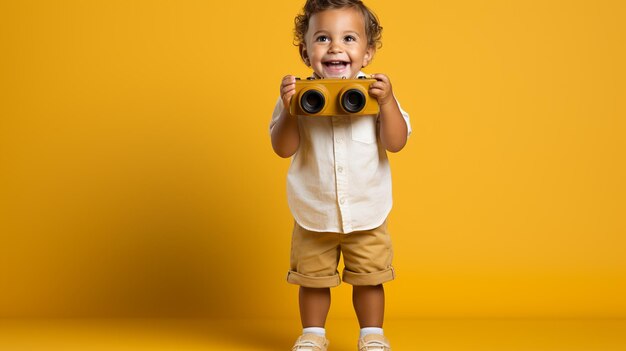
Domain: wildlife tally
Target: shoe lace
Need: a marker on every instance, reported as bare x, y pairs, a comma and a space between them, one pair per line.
374, 345
304, 345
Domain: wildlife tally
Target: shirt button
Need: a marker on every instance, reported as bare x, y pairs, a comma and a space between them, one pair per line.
340, 169
339, 140
342, 201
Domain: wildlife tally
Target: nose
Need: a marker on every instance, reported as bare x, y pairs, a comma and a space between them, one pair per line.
335, 47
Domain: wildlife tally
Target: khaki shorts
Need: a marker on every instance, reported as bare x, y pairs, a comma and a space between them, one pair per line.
315, 256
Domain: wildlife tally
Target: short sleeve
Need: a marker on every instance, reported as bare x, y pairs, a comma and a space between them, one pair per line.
278, 109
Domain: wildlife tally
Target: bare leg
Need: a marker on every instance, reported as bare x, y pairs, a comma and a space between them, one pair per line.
369, 305
314, 306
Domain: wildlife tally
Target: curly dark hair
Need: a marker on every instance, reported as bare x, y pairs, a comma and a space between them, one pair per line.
372, 26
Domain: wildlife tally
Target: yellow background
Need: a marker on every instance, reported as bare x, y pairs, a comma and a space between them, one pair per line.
137, 176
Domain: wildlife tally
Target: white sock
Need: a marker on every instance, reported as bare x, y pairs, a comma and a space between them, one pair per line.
314, 330
370, 330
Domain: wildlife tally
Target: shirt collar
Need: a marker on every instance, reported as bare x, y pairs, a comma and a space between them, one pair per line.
360, 74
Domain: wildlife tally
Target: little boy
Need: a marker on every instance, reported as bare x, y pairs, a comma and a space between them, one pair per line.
339, 181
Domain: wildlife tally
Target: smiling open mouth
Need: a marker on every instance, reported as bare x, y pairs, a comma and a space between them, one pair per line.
336, 64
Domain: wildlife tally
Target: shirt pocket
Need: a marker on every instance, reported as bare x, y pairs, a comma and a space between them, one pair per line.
363, 129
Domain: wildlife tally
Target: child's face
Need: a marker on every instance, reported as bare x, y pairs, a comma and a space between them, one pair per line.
336, 43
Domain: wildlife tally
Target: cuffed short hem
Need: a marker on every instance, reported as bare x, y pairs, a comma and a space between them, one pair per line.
313, 282
375, 278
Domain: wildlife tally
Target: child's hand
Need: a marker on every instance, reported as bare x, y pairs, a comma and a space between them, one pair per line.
381, 89
287, 89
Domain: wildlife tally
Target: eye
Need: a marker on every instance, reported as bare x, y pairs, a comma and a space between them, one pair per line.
349, 38
322, 38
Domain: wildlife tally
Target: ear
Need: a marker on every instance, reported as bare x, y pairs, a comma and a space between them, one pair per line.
369, 55
303, 55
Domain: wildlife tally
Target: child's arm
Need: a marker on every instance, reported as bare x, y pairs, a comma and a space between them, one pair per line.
393, 129
285, 133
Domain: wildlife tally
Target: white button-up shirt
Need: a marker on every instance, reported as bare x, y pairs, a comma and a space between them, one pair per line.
339, 179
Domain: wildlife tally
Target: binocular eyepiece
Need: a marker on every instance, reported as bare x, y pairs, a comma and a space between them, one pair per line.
353, 100
333, 97
313, 101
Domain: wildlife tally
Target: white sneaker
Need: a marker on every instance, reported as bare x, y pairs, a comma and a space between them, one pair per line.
374, 342
310, 342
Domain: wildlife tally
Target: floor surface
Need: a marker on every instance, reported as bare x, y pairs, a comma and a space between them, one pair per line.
244, 335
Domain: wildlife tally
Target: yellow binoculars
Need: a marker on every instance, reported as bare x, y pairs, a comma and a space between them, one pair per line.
333, 97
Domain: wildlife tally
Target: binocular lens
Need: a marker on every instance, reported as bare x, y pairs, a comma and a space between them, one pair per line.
353, 100
312, 101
